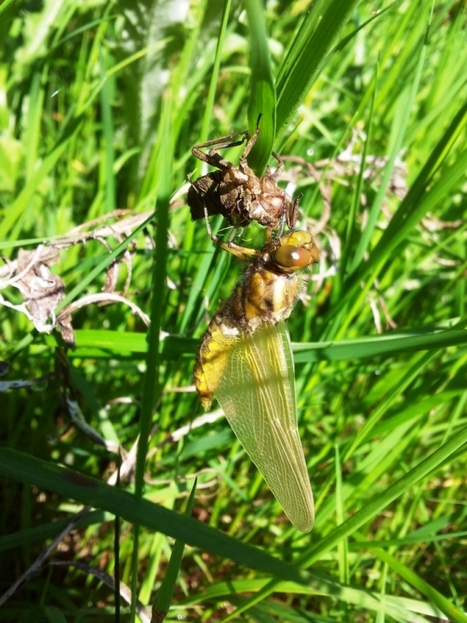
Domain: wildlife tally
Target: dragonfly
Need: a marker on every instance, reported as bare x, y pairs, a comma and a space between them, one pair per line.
245, 360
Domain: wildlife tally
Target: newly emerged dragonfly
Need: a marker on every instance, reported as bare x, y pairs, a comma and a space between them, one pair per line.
245, 360
237, 192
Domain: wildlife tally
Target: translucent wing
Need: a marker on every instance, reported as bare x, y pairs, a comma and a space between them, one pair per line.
257, 393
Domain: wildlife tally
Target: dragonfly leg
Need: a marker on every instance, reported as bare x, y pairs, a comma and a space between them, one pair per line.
235, 231
243, 253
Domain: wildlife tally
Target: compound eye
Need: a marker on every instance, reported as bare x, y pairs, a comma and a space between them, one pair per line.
289, 257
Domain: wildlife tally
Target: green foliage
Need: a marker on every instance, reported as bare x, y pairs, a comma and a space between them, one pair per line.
100, 105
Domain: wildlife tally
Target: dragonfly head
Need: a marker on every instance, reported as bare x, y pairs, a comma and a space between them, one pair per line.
295, 251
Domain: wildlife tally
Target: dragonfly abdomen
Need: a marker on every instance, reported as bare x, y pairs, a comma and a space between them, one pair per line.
263, 297
221, 335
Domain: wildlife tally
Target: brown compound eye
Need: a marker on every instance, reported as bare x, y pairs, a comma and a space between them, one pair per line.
291, 258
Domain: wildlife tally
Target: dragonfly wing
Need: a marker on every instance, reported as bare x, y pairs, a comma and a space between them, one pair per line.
257, 394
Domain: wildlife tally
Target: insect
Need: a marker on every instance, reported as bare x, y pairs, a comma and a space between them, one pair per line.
245, 360
236, 192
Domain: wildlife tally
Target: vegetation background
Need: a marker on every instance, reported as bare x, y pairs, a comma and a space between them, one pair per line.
100, 104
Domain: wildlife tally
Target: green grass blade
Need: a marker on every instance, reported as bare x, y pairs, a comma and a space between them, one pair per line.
318, 33
404, 107
23, 202
371, 510
262, 96
139, 511
423, 587
393, 343
166, 591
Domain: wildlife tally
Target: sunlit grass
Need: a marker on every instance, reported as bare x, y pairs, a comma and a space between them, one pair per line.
100, 108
